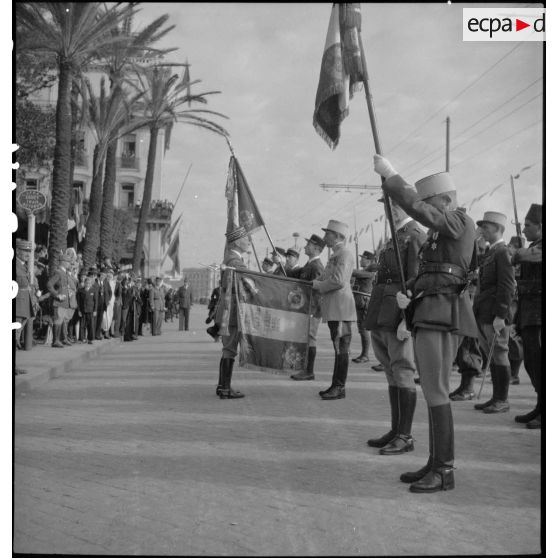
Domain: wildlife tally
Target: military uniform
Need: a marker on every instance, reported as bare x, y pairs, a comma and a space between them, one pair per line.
338, 308
157, 305
529, 313
59, 289
495, 292
362, 283
311, 270
442, 310
25, 298
395, 355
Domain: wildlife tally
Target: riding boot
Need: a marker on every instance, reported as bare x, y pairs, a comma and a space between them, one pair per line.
501, 387
56, 337
465, 390
337, 390
524, 419
219, 388
307, 374
413, 476
440, 476
335, 365
227, 392
394, 406
403, 441
493, 374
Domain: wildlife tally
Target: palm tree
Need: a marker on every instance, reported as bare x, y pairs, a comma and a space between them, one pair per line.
162, 106
109, 117
74, 33
118, 60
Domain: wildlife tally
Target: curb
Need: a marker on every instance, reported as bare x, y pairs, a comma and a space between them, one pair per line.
34, 379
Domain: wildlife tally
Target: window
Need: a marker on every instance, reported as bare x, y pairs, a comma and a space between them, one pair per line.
81, 154
31, 184
128, 159
127, 195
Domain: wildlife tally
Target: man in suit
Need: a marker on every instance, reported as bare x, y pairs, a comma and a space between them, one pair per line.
157, 305
87, 306
391, 340
338, 303
58, 287
311, 270
363, 284
493, 309
238, 244
25, 299
442, 309
185, 301
529, 311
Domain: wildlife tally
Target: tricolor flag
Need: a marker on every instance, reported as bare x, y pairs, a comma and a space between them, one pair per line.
274, 320
340, 73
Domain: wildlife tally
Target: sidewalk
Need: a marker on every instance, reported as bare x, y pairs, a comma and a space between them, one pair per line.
43, 362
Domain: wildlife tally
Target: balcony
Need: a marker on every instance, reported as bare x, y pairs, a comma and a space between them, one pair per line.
129, 163
81, 158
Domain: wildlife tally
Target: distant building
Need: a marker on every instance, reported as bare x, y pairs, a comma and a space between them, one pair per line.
202, 279
130, 176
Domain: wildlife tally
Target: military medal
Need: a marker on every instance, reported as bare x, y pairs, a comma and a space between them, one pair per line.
433, 244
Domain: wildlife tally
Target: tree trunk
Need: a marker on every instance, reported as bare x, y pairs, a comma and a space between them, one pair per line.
93, 224
146, 199
107, 209
61, 168
73, 148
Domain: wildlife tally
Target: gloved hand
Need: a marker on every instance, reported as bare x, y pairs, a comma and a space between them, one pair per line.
498, 324
403, 300
383, 167
402, 331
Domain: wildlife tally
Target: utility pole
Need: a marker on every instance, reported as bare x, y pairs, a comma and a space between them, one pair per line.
447, 144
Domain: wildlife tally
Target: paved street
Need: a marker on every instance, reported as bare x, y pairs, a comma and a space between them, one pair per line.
132, 453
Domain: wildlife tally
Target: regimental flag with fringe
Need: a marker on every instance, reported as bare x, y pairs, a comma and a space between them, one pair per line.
274, 320
341, 72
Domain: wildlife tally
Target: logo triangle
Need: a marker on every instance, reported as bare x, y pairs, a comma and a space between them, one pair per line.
519, 24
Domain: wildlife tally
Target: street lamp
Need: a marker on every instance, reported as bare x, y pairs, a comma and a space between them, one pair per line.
296, 237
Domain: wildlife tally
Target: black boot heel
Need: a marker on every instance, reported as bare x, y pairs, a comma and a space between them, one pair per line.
434, 481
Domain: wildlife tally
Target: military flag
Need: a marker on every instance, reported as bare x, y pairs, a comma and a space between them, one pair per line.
274, 319
249, 215
340, 73
173, 253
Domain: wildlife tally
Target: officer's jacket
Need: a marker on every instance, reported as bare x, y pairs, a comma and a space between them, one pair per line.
156, 298
58, 285
496, 286
87, 299
232, 259
185, 296
334, 284
383, 312
25, 295
309, 271
529, 285
441, 300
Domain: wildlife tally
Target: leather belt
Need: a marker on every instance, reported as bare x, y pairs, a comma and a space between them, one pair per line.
452, 269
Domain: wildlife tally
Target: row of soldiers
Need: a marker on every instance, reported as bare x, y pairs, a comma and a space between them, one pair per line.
95, 304
422, 324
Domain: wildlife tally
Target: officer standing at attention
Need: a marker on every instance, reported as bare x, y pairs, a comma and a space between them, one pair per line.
442, 309
338, 303
25, 298
363, 284
493, 309
311, 270
238, 244
529, 311
391, 340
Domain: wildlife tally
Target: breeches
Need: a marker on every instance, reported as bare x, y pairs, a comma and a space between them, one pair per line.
532, 361
435, 352
230, 343
313, 331
501, 347
396, 356
340, 333
62, 315
469, 357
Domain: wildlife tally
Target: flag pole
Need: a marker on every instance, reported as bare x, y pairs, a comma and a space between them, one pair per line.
265, 228
387, 200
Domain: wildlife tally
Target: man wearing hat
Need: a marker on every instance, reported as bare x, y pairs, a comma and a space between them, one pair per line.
58, 287
185, 301
529, 312
493, 309
391, 341
311, 270
25, 298
337, 304
442, 309
362, 286
267, 265
157, 305
238, 243
291, 258
279, 258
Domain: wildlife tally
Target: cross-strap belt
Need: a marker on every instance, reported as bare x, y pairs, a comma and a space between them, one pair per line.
451, 268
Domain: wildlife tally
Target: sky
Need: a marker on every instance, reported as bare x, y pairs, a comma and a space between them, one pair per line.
265, 60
